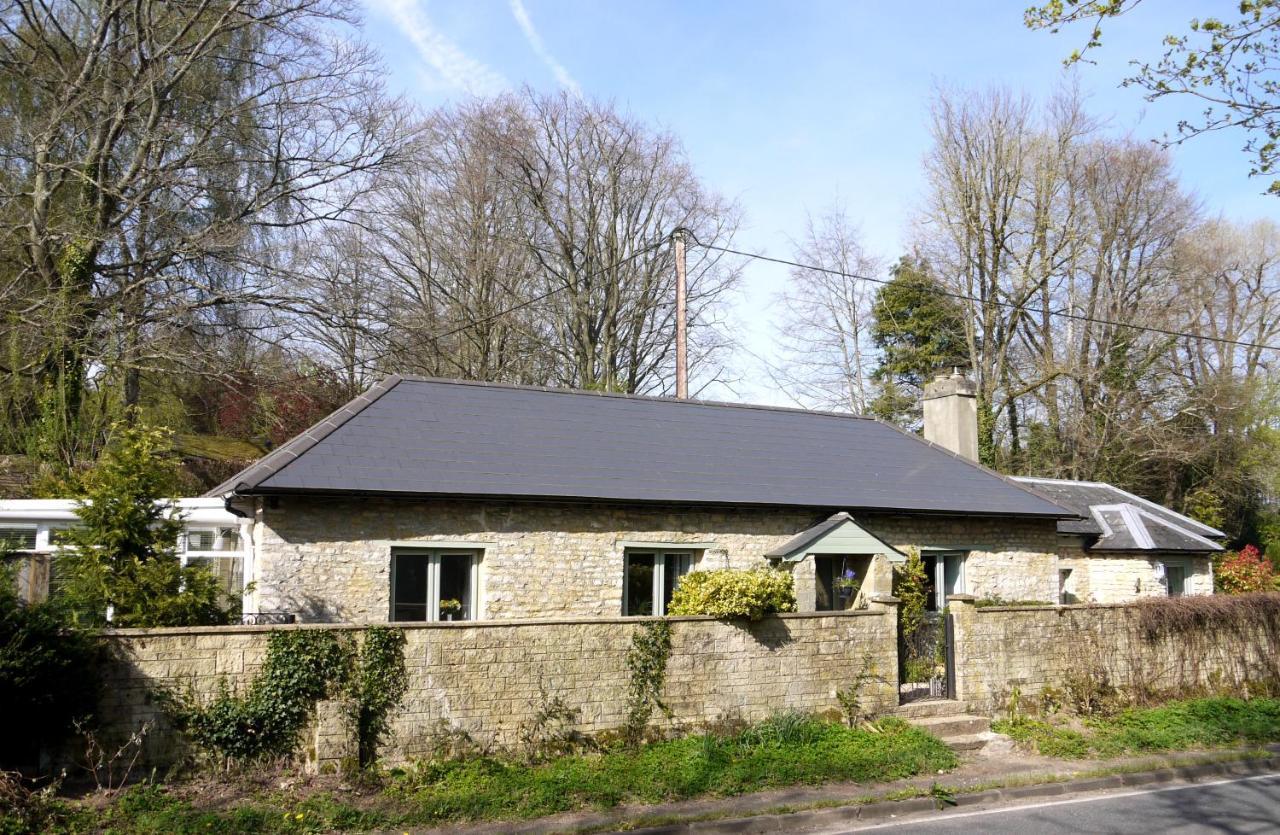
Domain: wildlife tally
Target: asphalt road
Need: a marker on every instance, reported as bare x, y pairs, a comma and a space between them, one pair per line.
1243, 805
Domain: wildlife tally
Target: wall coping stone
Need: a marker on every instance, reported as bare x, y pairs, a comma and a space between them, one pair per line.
238, 629
1058, 607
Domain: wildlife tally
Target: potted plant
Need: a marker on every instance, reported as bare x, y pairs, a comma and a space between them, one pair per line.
450, 607
846, 585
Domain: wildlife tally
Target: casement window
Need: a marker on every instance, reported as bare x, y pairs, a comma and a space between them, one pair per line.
650, 578
435, 585
18, 538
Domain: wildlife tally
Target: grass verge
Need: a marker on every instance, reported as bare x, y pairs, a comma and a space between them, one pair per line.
1176, 726
784, 751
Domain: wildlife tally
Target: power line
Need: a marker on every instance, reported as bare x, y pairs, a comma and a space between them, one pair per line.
470, 323
963, 297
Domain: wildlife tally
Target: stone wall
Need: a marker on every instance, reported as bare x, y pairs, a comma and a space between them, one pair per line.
490, 678
1033, 648
1117, 578
329, 560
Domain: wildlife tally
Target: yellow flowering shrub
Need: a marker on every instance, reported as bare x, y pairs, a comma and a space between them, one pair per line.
734, 593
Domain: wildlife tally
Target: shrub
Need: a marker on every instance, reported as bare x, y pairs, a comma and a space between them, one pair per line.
1208, 614
734, 593
48, 676
1243, 571
123, 555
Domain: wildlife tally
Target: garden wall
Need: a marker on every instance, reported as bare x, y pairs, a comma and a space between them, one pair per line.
1033, 648
489, 678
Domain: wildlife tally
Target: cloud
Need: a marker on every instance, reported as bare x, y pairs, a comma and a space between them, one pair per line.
540, 48
455, 67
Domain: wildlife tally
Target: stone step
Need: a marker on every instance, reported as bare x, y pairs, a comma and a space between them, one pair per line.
930, 707
946, 727
969, 742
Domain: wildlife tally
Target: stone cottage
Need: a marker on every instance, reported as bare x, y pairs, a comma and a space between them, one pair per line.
443, 500
1124, 546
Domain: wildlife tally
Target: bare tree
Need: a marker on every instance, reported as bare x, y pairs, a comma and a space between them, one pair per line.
152, 154
823, 332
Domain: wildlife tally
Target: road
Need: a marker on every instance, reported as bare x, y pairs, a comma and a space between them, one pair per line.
1242, 805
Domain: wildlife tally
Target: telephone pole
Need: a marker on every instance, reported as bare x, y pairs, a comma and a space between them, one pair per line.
682, 318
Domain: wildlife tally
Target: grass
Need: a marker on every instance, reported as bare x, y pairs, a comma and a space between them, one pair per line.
1176, 726
787, 750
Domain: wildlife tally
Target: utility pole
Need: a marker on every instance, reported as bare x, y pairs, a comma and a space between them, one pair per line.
682, 318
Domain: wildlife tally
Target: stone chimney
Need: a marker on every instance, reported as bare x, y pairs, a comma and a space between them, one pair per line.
951, 413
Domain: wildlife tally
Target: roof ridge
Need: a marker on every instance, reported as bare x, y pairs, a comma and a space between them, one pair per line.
267, 466
1168, 524
622, 395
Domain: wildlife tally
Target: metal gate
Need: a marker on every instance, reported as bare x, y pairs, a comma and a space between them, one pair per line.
926, 660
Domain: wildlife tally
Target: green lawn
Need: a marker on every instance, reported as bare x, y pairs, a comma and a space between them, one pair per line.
785, 751
1176, 726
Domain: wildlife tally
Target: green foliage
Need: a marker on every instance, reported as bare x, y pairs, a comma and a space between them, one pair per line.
734, 593
646, 676
997, 600
1206, 507
784, 750
24, 808
48, 676
787, 749
378, 685
910, 586
851, 698
301, 667
918, 331
123, 555
1179, 725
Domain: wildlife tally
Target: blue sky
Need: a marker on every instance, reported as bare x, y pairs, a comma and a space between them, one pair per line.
789, 106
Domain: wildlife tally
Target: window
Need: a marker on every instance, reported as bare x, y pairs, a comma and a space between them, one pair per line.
1175, 578
434, 585
18, 538
207, 540
1064, 577
945, 577
651, 577
59, 537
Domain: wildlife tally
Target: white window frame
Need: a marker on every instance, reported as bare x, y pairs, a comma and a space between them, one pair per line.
433, 555
37, 529
687, 559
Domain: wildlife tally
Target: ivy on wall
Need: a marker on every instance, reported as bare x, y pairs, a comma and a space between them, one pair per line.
647, 674
301, 667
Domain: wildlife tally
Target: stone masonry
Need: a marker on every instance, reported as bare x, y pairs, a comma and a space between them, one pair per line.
1121, 577
329, 560
998, 649
490, 678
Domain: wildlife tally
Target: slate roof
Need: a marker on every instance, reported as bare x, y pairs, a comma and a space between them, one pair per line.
414, 437
1122, 521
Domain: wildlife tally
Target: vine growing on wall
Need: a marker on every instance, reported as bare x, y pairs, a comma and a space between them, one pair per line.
300, 669
647, 670
377, 686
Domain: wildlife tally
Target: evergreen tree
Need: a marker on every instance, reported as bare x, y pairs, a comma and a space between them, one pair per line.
917, 330
123, 556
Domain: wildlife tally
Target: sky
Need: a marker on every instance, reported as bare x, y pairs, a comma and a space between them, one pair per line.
792, 107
